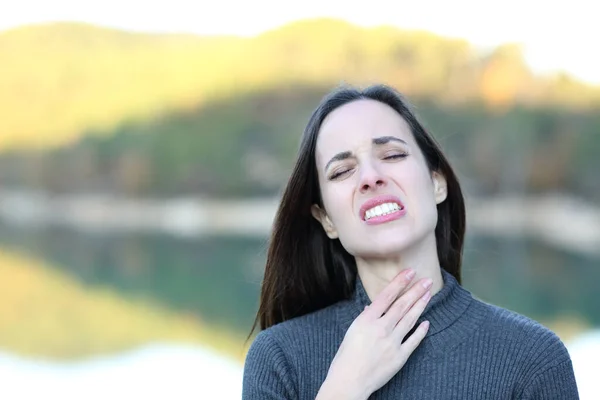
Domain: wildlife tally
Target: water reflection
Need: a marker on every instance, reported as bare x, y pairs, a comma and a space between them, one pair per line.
218, 279
534, 279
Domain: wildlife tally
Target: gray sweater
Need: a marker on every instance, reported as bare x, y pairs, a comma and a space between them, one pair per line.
473, 350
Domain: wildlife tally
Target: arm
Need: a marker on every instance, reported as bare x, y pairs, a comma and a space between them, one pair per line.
557, 383
267, 372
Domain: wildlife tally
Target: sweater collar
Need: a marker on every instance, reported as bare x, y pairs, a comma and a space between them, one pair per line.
444, 308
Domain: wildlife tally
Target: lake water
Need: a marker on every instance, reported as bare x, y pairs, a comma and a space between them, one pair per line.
217, 279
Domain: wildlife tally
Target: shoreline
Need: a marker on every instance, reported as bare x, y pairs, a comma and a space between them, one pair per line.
558, 220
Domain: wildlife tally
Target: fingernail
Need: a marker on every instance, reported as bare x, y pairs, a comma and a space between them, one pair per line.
410, 274
425, 325
427, 283
426, 296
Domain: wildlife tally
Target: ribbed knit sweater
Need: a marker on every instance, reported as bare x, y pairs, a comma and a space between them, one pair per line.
473, 350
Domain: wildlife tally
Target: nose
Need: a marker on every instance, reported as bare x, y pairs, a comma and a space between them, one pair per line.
371, 179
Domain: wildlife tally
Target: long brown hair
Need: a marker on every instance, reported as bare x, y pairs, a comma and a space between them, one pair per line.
305, 270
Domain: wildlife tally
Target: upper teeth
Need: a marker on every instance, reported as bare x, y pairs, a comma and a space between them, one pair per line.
382, 209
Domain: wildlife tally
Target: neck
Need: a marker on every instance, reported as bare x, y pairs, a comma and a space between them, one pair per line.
376, 273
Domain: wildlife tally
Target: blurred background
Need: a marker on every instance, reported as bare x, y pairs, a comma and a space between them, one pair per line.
143, 148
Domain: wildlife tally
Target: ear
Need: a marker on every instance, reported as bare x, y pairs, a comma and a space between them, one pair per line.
320, 215
440, 187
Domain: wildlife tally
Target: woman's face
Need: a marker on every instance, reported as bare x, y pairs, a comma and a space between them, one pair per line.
378, 194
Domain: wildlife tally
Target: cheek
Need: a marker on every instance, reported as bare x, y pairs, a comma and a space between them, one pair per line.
417, 185
337, 200
423, 186
413, 179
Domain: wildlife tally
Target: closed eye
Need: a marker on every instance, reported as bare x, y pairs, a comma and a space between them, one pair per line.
395, 156
338, 174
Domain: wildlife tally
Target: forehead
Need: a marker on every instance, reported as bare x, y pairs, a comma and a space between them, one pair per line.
356, 123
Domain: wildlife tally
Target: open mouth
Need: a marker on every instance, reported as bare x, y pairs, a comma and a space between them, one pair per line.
382, 209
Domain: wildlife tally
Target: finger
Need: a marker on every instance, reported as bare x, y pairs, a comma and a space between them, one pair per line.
414, 340
390, 293
410, 319
401, 306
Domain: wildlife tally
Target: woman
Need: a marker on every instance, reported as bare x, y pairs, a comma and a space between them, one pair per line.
361, 296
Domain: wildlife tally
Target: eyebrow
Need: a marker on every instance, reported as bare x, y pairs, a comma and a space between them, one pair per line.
376, 141
386, 139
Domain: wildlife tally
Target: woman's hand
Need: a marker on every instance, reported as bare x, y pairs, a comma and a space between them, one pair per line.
372, 351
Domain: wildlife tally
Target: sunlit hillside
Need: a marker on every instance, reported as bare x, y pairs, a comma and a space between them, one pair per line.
61, 81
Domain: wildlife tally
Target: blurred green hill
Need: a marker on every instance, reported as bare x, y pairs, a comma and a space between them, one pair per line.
85, 108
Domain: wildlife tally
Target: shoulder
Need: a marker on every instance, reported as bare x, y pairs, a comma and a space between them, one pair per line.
297, 331
541, 359
291, 336
527, 341
534, 353
273, 360
268, 368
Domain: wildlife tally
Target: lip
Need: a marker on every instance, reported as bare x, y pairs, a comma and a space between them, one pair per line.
375, 201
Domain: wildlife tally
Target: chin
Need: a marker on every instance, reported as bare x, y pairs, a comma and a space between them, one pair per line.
381, 249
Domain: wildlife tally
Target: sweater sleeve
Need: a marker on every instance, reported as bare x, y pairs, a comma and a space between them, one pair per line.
557, 383
267, 373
